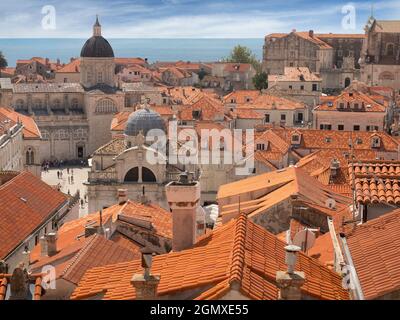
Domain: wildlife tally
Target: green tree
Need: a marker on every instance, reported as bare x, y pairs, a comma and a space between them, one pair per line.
242, 54
260, 81
3, 61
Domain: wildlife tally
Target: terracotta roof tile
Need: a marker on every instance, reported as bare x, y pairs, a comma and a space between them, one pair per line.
374, 248
346, 101
26, 202
239, 252
31, 130
72, 67
376, 181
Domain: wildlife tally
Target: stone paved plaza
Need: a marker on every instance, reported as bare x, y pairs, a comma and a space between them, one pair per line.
80, 176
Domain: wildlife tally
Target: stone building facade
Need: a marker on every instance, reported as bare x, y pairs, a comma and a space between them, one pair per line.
380, 58
74, 118
333, 56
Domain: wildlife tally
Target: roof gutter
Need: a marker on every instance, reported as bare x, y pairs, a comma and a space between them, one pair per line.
359, 295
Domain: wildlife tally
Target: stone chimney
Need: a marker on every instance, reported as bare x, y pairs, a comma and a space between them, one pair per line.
146, 284
183, 197
335, 166
122, 196
48, 245
19, 284
311, 33
289, 282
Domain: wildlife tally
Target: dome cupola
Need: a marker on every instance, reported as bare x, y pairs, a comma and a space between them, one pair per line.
142, 121
97, 46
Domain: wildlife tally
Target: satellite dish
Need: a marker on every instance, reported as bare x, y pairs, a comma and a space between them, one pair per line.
304, 239
330, 203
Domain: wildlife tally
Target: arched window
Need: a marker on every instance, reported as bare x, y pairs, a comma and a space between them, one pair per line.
347, 82
30, 156
106, 106
132, 175
148, 175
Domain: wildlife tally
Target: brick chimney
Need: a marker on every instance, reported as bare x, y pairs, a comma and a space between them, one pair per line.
146, 284
48, 245
122, 196
183, 197
289, 282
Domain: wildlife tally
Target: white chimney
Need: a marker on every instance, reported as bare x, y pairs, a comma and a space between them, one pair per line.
289, 282
183, 198
122, 196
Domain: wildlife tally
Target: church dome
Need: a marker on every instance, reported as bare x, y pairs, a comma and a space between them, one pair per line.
144, 120
97, 46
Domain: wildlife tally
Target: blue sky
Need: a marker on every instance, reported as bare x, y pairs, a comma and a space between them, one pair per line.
185, 18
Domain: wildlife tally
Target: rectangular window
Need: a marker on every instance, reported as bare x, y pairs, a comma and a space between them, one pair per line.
283, 117
290, 87
301, 87
267, 118
315, 87
260, 146
340, 127
356, 128
325, 127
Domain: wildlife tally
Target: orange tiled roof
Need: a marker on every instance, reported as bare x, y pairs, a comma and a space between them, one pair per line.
31, 130
348, 99
211, 109
97, 252
160, 218
270, 102
72, 67
239, 252
130, 61
242, 96
323, 139
376, 181
258, 194
374, 248
244, 113
26, 202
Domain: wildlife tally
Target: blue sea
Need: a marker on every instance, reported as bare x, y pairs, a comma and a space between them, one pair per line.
153, 49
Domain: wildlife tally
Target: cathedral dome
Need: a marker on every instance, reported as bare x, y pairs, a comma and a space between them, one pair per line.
97, 46
144, 120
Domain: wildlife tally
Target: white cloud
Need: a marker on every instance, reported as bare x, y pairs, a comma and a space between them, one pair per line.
134, 19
